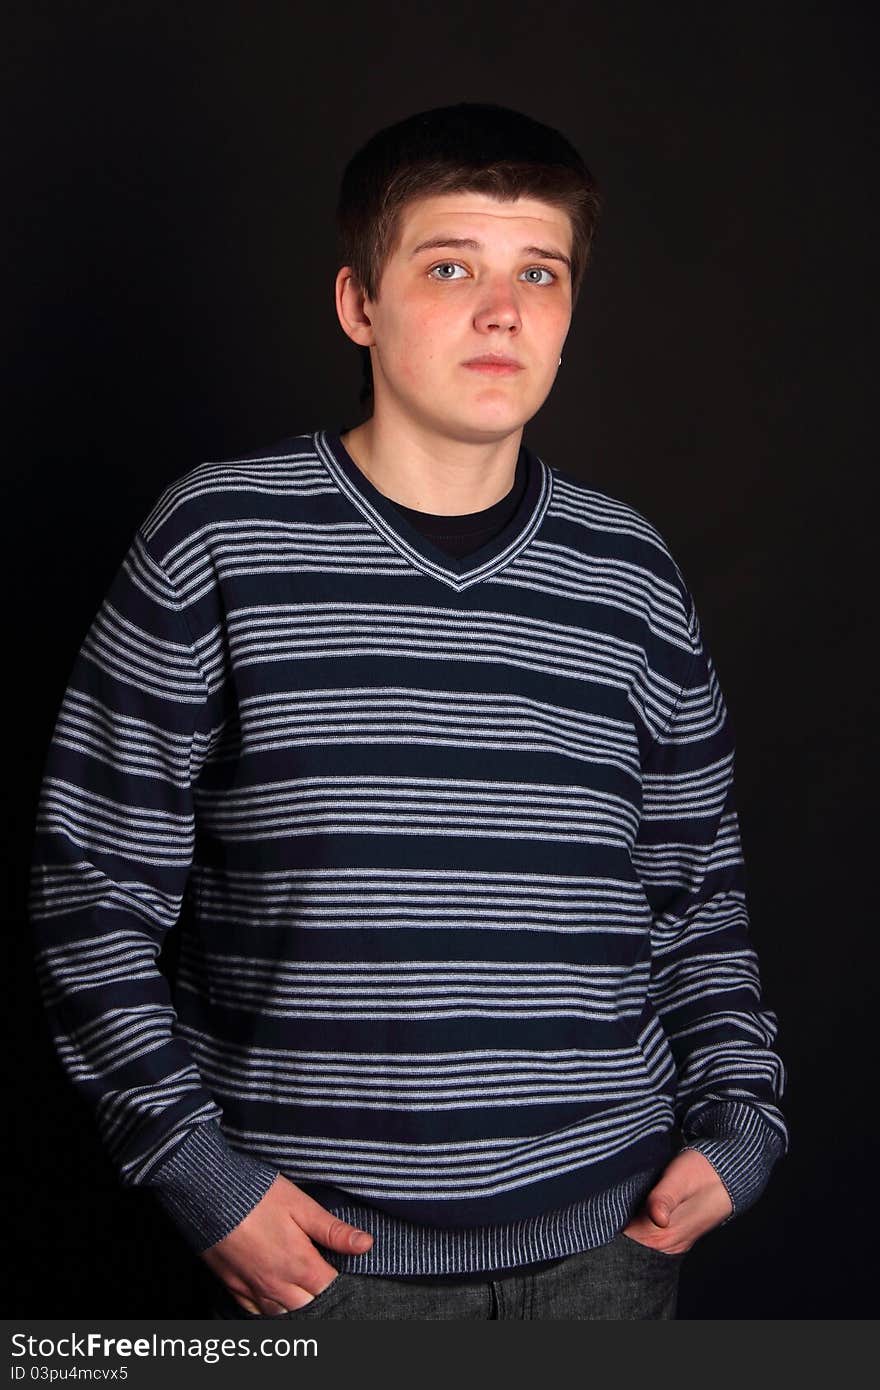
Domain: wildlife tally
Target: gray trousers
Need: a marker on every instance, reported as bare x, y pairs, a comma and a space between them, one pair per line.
620, 1280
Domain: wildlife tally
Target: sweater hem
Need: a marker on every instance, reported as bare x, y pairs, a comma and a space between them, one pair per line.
403, 1248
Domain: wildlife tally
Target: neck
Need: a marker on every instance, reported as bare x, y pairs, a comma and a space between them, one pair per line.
449, 477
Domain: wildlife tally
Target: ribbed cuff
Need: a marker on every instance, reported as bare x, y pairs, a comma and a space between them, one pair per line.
207, 1187
741, 1146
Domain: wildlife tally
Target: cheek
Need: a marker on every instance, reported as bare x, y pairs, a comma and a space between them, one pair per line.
552, 321
422, 341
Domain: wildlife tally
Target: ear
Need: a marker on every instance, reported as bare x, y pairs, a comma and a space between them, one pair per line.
351, 308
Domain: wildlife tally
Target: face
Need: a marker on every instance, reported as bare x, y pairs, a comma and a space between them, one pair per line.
507, 292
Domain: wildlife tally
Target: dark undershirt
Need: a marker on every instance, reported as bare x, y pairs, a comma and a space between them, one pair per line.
462, 535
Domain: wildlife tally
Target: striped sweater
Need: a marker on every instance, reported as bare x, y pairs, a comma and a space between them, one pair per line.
467, 952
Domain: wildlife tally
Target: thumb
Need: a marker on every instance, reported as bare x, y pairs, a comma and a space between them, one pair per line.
350, 1238
338, 1235
328, 1229
660, 1206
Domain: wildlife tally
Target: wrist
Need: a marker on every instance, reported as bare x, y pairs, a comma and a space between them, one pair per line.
207, 1187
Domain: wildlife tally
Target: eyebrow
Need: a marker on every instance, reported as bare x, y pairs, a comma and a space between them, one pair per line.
547, 253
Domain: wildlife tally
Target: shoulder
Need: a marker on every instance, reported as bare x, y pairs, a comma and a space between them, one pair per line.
216, 494
607, 526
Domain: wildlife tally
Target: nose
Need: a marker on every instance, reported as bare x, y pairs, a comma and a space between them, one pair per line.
498, 308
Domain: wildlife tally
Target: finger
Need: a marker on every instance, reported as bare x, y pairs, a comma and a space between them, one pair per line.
274, 1307
326, 1228
298, 1298
270, 1307
288, 1299
248, 1305
298, 1295
339, 1235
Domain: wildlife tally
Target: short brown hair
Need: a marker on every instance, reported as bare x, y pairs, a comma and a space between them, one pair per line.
473, 147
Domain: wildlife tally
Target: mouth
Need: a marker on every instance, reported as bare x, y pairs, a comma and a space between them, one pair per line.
494, 366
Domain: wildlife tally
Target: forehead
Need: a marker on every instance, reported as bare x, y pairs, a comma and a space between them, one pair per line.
488, 218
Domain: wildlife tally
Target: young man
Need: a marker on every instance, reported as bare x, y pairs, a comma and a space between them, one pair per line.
467, 1019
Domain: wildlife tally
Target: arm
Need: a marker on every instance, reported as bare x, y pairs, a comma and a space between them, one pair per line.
112, 852
705, 984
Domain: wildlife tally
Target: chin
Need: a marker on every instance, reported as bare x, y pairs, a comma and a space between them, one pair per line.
485, 430
492, 420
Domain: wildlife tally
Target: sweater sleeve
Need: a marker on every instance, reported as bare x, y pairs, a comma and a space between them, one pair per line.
704, 983
112, 852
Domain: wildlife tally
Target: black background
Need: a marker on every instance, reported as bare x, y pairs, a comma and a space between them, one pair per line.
170, 178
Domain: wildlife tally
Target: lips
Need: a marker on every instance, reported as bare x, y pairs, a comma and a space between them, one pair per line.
494, 365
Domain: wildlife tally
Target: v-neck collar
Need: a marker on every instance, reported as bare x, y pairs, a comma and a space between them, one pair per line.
458, 571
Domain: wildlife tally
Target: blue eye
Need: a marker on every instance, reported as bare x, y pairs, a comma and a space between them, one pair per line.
456, 265
445, 265
542, 270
